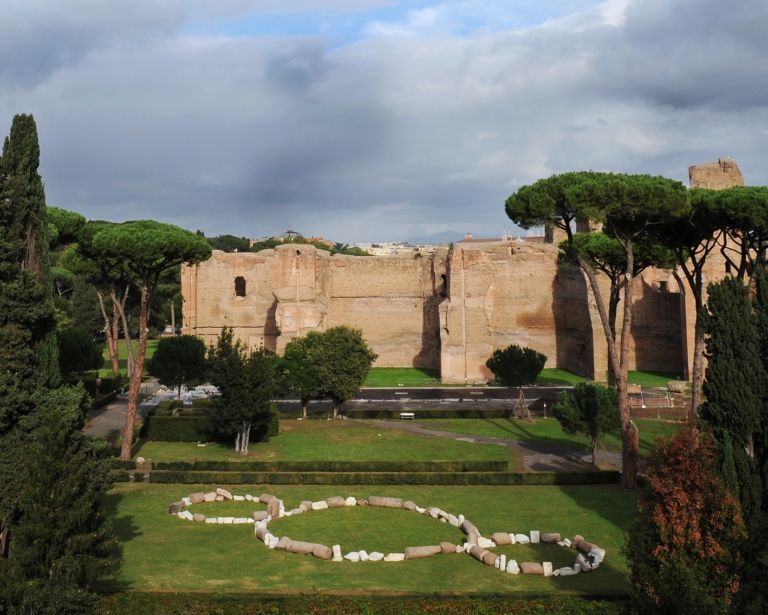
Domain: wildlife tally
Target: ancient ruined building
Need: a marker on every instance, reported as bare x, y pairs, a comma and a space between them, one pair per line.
449, 310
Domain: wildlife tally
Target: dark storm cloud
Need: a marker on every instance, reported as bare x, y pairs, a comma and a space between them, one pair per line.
409, 130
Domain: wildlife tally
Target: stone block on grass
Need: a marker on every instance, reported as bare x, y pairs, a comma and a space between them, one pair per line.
447, 547
501, 538
227, 495
423, 551
335, 502
385, 502
394, 557
299, 546
323, 552
532, 568
550, 538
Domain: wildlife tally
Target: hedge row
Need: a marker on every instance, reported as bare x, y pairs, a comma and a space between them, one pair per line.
130, 603
196, 424
287, 412
334, 466
381, 478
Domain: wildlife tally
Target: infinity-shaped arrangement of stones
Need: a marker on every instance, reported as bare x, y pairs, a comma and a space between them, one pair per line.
588, 555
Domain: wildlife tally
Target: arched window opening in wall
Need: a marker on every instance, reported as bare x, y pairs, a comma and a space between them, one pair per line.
239, 286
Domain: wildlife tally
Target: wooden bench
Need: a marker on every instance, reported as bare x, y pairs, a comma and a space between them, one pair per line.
407, 415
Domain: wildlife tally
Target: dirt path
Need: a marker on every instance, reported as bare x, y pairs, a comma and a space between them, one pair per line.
532, 456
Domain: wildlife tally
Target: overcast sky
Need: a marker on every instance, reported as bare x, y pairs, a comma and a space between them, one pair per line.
373, 120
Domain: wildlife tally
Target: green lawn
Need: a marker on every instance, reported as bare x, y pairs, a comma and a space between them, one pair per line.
123, 355
548, 430
652, 380
164, 553
338, 440
402, 376
554, 376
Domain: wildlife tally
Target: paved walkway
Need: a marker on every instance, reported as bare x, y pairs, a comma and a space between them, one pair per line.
533, 456
111, 418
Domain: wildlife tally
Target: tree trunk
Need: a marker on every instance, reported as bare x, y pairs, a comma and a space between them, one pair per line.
135, 379
594, 453
697, 377
110, 334
119, 306
3, 540
613, 305
246, 438
619, 364
178, 396
173, 317
304, 408
336, 407
237, 442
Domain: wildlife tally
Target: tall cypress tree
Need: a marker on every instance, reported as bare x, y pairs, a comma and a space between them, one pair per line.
24, 243
53, 538
736, 391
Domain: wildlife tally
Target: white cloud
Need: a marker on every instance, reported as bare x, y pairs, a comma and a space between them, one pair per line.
387, 137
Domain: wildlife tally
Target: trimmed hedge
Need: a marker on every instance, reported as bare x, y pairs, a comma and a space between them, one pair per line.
426, 413
333, 466
130, 603
384, 478
178, 428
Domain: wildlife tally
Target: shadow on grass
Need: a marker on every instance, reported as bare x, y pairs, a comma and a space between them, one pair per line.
618, 508
124, 529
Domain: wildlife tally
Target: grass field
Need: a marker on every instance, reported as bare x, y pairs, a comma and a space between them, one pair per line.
164, 553
402, 376
558, 377
652, 379
338, 440
123, 355
549, 430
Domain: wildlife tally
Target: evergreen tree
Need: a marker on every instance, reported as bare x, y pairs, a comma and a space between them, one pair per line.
735, 387
53, 537
55, 481
25, 228
736, 409
178, 360
247, 382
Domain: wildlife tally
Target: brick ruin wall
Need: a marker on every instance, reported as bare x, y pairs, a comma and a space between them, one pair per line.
445, 311
448, 311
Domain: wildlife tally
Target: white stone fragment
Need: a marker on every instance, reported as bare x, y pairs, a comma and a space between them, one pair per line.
188, 515
375, 556
459, 548
187, 501
211, 520
560, 543
547, 566
523, 539
512, 567
565, 572
238, 498
453, 520
336, 549
434, 513
241, 520
420, 510
394, 557
249, 497
485, 543
461, 519
363, 556
597, 555
273, 542
352, 556
267, 538
282, 509
567, 542
467, 546
535, 537
321, 505
512, 539
502, 562
259, 524
350, 501
226, 520
287, 513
